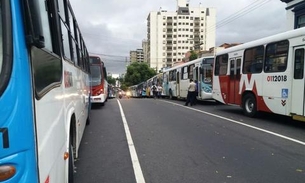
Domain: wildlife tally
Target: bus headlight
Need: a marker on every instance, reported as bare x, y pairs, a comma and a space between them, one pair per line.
7, 172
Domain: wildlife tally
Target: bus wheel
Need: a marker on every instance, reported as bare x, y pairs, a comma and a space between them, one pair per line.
249, 105
71, 164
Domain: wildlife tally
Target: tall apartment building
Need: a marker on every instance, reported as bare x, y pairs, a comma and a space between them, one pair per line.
136, 56
133, 56
145, 49
171, 34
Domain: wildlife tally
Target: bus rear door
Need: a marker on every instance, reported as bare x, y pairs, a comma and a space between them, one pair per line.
297, 93
234, 97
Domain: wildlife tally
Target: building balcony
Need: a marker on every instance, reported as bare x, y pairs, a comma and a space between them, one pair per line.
169, 20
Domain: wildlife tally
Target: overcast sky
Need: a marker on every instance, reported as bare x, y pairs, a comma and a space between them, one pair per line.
112, 28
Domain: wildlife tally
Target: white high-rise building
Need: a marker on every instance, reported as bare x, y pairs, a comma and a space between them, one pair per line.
171, 34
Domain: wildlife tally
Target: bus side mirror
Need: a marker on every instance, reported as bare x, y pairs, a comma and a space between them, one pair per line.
33, 24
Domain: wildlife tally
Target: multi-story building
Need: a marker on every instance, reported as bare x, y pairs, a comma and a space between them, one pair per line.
145, 49
171, 34
295, 13
137, 56
133, 56
140, 55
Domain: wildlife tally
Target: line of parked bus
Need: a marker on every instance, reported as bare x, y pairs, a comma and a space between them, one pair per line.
175, 81
262, 75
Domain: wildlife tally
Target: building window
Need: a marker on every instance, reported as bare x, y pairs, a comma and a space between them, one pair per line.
299, 13
300, 21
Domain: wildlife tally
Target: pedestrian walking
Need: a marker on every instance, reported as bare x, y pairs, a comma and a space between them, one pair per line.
154, 89
159, 90
191, 93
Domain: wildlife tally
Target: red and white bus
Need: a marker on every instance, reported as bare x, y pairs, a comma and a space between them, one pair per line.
99, 84
263, 75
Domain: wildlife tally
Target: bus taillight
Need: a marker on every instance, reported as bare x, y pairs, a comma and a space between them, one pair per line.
6, 172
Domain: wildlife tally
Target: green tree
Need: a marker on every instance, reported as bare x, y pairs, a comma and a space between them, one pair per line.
137, 73
111, 80
193, 55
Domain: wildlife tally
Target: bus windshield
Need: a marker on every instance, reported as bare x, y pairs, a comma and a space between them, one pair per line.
96, 76
207, 67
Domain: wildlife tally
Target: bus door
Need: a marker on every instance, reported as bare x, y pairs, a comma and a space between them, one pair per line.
234, 81
298, 82
178, 84
197, 76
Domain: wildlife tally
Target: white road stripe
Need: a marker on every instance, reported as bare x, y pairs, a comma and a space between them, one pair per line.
133, 154
237, 122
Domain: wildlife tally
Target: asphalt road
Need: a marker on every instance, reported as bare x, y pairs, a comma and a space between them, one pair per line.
177, 144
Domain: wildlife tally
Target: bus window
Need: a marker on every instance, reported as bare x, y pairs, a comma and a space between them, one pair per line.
190, 71
276, 56
96, 76
184, 73
221, 65
299, 64
253, 60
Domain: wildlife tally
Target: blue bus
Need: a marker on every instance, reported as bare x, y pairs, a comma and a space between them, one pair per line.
44, 91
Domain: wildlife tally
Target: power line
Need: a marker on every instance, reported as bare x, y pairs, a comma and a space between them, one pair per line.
238, 14
247, 9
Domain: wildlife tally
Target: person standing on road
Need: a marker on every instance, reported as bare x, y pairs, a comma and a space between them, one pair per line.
191, 93
159, 90
154, 89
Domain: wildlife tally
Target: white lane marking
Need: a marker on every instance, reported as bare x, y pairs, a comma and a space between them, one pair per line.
133, 154
237, 122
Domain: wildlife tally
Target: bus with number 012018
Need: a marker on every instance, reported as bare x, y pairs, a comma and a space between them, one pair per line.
44, 91
98, 80
177, 79
263, 75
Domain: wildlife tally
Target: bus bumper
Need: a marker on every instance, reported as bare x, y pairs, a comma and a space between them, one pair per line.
100, 99
205, 96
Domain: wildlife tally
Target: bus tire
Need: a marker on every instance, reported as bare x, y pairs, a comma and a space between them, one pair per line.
249, 105
71, 164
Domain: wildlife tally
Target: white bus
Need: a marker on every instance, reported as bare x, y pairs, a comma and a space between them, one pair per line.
155, 80
177, 79
44, 91
263, 75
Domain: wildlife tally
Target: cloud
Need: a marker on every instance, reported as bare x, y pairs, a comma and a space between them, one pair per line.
115, 27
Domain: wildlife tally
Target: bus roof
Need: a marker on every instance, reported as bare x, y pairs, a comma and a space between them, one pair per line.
188, 63
265, 40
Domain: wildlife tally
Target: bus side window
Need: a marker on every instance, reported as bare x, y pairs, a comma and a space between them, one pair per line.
299, 63
276, 56
221, 65
253, 60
